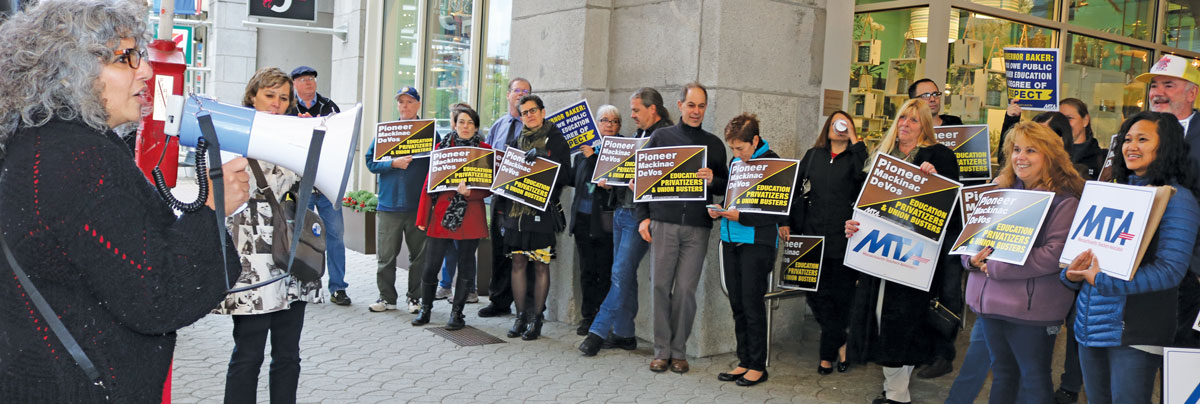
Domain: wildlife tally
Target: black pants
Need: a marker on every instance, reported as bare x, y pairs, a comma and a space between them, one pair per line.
595, 265
250, 340
746, 268
949, 291
435, 251
831, 305
500, 288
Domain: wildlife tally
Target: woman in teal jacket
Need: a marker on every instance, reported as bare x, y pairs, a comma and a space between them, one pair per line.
1122, 325
748, 242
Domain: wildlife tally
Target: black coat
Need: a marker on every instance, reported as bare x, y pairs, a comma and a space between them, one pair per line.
833, 187
321, 107
903, 338
691, 213
581, 179
544, 222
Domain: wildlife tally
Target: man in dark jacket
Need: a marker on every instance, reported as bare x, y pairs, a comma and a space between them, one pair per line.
313, 104
308, 101
681, 230
927, 90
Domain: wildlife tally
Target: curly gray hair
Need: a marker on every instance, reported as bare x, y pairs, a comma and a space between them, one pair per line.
51, 56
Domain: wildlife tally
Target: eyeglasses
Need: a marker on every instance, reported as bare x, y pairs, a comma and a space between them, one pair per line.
130, 56
305, 79
520, 91
612, 121
926, 96
529, 112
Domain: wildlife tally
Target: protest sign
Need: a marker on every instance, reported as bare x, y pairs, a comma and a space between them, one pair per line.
528, 183
973, 147
762, 186
1181, 376
1033, 77
900, 192
576, 124
616, 161
451, 166
802, 263
1196, 325
669, 174
403, 138
1008, 220
1116, 222
969, 196
1106, 170
883, 249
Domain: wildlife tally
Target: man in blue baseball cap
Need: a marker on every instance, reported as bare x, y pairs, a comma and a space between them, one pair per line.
307, 99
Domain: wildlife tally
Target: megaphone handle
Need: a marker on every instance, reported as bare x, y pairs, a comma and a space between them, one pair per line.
218, 184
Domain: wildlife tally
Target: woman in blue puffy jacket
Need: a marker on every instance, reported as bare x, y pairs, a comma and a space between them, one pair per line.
1021, 307
1122, 325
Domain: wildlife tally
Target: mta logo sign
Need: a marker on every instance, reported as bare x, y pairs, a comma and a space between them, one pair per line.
893, 246
1107, 225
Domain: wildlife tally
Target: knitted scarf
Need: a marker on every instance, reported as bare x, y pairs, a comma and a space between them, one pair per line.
531, 139
457, 210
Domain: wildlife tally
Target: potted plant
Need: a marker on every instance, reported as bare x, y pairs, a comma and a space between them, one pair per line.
358, 215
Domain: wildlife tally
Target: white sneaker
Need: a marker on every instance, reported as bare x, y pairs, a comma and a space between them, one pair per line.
442, 293
472, 297
381, 306
414, 306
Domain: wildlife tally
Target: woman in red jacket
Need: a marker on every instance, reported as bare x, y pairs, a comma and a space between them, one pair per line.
462, 221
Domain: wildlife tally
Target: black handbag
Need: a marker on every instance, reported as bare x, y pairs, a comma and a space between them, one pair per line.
309, 265
942, 319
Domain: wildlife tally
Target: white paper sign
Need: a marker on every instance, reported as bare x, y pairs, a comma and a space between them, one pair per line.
883, 249
1181, 375
1110, 221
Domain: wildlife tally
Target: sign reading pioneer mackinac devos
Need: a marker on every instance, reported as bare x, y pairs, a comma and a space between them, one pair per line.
616, 161
1033, 77
902, 215
1008, 220
451, 166
973, 147
802, 263
528, 183
576, 124
669, 174
762, 185
403, 138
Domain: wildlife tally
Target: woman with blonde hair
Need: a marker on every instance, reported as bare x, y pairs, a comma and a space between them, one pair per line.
892, 334
1022, 306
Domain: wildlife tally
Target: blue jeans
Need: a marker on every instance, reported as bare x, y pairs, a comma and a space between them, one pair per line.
974, 369
335, 246
449, 266
621, 304
1118, 374
1021, 356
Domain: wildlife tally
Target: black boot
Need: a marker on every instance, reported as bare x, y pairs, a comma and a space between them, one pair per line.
422, 318
518, 326
535, 328
457, 321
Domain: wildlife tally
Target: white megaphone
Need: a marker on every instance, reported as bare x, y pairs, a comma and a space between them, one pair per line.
279, 139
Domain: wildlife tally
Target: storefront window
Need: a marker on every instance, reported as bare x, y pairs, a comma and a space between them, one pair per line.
1180, 25
1128, 18
1038, 8
493, 90
975, 84
886, 58
1101, 74
447, 60
400, 47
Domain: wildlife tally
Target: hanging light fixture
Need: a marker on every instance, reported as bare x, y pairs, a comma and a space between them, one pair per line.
1008, 5
919, 23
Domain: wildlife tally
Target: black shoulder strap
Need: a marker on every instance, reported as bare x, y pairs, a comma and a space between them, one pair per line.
47, 313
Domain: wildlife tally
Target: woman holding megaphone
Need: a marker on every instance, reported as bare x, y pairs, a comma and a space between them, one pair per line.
117, 270
276, 309
1122, 325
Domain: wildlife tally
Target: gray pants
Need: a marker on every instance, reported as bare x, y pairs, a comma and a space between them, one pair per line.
392, 229
678, 259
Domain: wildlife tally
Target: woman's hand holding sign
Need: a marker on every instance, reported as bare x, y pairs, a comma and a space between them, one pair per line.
979, 260
928, 168
705, 174
462, 189
851, 227
1085, 266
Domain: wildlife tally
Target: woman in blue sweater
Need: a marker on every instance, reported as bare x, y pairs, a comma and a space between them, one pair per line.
1122, 325
748, 242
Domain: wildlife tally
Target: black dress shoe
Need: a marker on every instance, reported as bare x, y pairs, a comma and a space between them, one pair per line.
591, 345
492, 310
584, 326
842, 367
614, 341
821, 370
729, 377
747, 383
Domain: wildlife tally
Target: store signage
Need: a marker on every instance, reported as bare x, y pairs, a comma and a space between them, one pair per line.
1033, 77
299, 10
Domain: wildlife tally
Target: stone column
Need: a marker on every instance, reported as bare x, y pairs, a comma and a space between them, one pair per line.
235, 50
